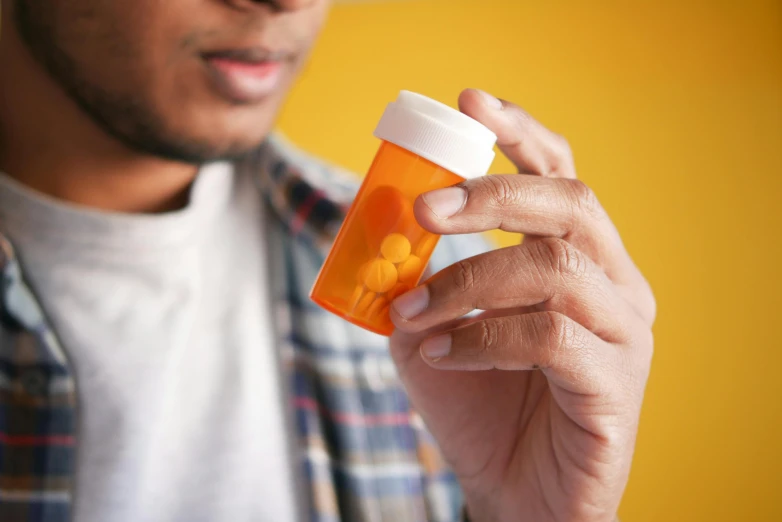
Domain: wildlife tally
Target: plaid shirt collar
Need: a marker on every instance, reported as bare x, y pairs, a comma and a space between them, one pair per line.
309, 197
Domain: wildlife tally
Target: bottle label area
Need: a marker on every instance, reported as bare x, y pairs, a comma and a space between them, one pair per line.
381, 251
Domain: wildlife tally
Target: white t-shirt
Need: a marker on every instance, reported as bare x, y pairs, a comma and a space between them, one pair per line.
166, 320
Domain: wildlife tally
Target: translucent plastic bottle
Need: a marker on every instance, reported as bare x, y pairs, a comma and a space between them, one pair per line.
381, 251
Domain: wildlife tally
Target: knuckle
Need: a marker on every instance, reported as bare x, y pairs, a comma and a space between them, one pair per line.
562, 154
563, 257
564, 343
490, 335
636, 362
568, 347
582, 198
501, 190
464, 275
559, 330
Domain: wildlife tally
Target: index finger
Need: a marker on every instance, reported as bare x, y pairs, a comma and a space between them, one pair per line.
533, 148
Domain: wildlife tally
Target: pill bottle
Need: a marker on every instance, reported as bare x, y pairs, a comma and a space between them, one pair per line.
381, 251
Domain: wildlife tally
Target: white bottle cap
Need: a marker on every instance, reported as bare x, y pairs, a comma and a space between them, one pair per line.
438, 133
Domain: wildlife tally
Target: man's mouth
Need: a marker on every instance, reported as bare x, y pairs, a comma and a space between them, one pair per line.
246, 75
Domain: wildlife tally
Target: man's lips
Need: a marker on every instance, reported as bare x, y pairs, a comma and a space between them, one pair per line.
255, 69
245, 76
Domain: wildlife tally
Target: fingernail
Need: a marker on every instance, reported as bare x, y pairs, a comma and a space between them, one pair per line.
437, 347
412, 303
490, 100
446, 202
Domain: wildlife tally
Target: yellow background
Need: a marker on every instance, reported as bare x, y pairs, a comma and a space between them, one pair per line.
674, 112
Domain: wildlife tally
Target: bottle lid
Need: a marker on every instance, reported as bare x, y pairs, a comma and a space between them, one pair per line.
439, 134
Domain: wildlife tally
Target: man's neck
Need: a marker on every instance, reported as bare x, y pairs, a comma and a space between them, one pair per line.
50, 145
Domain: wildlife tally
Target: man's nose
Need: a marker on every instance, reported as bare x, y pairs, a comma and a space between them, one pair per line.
276, 5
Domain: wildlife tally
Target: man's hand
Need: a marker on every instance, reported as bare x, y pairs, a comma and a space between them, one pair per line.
535, 403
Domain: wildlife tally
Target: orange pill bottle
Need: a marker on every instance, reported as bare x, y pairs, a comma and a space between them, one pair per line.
381, 251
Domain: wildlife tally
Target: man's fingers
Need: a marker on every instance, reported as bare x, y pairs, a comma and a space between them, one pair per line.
529, 145
540, 208
536, 150
546, 275
572, 356
532, 205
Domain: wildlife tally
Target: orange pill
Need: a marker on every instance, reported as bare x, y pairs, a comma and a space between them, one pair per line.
377, 306
395, 248
356, 297
410, 270
362, 272
381, 276
398, 290
364, 304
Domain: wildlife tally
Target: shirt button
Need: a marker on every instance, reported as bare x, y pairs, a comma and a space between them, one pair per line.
34, 382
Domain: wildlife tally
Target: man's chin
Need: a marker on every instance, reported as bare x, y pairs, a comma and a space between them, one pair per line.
194, 151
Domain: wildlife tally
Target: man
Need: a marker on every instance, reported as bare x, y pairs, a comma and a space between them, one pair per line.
159, 359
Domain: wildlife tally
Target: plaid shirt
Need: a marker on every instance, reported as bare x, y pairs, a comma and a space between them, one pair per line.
365, 455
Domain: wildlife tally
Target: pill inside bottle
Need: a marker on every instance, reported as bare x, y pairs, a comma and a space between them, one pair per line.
381, 251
